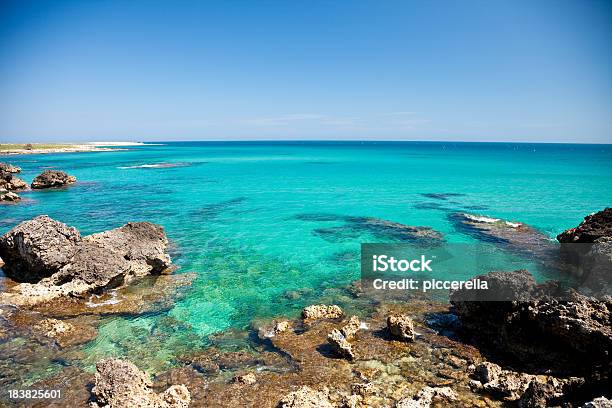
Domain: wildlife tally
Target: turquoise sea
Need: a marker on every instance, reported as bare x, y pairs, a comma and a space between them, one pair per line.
264, 224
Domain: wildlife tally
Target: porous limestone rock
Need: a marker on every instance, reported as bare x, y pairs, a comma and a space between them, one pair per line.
52, 178
401, 327
317, 312
120, 384
306, 397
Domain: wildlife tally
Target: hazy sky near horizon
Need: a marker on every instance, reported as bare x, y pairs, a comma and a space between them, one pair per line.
151, 70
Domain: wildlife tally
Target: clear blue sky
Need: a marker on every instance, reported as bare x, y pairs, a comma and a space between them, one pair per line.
416, 70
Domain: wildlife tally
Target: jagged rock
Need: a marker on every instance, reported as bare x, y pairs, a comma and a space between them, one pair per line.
37, 248
340, 344
52, 178
317, 312
571, 335
401, 327
505, 384
588, 249
120, 384
545, 394
351, 328
601, 402
590, 230
306, 397
426, 396
74, 265
9, 196
9, 168
281, 326
246, 379
11, 183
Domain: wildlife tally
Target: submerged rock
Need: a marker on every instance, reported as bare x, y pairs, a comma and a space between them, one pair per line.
120, 384
74, 266
512, 236
401, 327
317, 312
52, 178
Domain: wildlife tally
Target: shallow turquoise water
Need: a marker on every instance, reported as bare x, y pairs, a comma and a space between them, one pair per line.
235, 214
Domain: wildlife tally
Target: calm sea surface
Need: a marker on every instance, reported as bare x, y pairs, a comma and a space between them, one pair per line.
256, 221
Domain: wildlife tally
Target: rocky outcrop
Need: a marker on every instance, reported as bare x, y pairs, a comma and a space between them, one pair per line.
317, 312
306, 397
590, 230
9, 196
401, 327
37, 248
52, 178
568, 334
340, 344
504, 384
588, 249
9, 168
9, 182
71, 265
120, 384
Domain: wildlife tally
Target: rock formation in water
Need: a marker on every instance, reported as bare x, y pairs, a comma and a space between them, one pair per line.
52, 178
401, 327
588, 249
9, 182
592, 229
120, 384
316, 312
9, 168
53, 260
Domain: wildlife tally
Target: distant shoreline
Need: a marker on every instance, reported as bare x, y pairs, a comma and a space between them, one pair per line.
40, 148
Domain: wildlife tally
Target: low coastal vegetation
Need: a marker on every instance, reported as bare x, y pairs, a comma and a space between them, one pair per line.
542, 345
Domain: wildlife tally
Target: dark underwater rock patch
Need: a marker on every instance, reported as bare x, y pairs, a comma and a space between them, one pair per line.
442, 196
211, 211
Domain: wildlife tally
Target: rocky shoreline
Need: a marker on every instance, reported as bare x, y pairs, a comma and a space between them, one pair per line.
536, 345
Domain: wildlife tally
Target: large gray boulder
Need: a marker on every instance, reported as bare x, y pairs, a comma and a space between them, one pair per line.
71, 265
37, 248
52, 178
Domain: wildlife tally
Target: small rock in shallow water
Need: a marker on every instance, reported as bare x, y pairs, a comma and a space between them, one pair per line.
317, 312
426, 396
401, 327
306, 397
340, 344
351, 328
